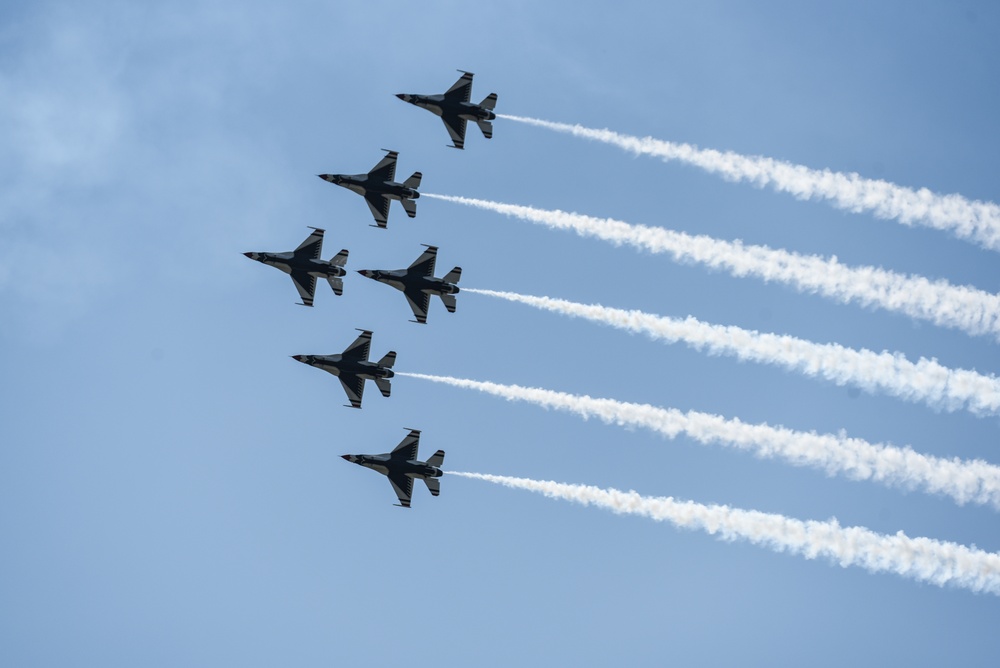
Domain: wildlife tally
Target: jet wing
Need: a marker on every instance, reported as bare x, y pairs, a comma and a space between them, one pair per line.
385, 170
462, 89
456, 128
379, 206
306, 285
354, 386
403, 486
359, 349
420, 302
424, 265
407, 448
311, 247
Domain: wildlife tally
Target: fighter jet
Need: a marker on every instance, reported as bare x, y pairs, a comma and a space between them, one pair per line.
418, 283
402, 466
379, 189
304, 266
353, 368
455, 109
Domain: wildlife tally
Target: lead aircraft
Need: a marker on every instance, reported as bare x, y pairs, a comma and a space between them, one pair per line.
304, 266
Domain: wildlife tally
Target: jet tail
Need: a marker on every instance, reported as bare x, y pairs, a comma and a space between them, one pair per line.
388, 360
437, 459
340, 259
453, 276
449, 302
487, 128
409, 206
433, 486
489, 102
413, 181
337, 284
384, 386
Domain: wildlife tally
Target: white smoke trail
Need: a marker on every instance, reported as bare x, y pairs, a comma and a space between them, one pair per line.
924, 559
973, 220
960, 307
925, 380
974, 481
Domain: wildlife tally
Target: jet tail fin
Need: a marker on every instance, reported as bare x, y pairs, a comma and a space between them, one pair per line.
384, 386
413, 181
453, 276
433, 486
409, 206
340, 259
489, 102
487, 128
437, 459
337, 284
388, 360
449, 302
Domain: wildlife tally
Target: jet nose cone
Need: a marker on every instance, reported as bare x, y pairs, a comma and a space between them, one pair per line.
367, 273
299, 358
347, 457
249, 255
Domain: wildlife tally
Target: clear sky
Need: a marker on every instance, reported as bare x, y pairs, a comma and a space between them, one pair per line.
171, 488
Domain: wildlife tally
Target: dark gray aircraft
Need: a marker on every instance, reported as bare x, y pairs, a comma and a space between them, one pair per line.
379, 189
304, 266
418, 283
353, 368
402, 466
455, 109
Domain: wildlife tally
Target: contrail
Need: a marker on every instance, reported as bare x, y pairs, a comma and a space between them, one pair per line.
923, 559
960, 307
973, 220
970, 481
925, 380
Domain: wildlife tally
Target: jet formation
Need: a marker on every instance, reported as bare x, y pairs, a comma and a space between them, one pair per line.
401, 466
353, 368
304, 266
455, 110
418, 283
379, 188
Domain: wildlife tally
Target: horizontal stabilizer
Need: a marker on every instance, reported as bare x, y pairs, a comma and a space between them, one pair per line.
437, 459
409, 206
434, 485
449, 302
487, 128
453, 276
340, 259
388, 360
489, 102
413, 181
383, 386
337, 284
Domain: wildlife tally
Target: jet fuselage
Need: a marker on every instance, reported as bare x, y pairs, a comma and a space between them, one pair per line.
385, 465
362, 184
336, 364
403, 280
440, 105
287, 262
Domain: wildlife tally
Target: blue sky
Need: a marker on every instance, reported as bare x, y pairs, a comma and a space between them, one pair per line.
171, 491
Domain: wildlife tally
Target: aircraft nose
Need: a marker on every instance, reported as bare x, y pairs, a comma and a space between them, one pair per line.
249, 255
401, 96
299, 358
367, 273
347, 457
